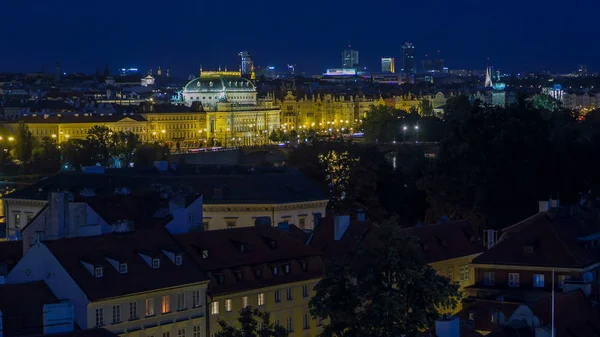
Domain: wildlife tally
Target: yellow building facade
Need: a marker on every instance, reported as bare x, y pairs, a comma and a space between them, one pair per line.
287, 305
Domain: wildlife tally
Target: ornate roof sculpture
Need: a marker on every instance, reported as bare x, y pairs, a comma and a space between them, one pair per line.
219, 81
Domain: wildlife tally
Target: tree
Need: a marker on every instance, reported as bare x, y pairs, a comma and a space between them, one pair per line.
123, 146
24, 144
382, 289
46, 157
253, 323
382, 124
338, 170
426, 108
99, 138
76, 153
274, 136
147, 154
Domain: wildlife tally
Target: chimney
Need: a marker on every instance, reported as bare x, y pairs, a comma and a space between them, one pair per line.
448, 326
341, 224
544, 206
58, 318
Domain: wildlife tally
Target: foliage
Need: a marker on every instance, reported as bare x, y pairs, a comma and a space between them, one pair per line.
76, 153
383, 289
382, 124
147, 154
494, 164
426, 108
338, 170
545, 102
253, 323
46, 157
98, 138
24, 144
122, 147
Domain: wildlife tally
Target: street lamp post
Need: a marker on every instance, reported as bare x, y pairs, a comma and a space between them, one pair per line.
417, 131
404, 128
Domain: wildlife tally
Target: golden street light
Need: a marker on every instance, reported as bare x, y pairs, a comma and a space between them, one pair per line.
10, 139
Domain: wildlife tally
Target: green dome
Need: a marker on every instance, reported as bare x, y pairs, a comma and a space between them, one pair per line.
219, 83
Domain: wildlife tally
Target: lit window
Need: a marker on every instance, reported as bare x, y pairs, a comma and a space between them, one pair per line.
244, 301
180, 301
305, 290
228, 305
302, 222
133, 313
98, 272
99, 316
17, 220
289, 294
286, 268
166, 304
513, 280
196, 298
261, 299
538, 280
149, 307
214, 308
155, 263
116, 313
123, 268
290, 328
277, 296
178, 260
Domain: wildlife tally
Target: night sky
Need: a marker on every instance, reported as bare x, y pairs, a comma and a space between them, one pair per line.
517, 35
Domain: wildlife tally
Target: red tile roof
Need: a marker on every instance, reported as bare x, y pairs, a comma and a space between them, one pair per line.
438, 242
551, 239
22, 307
234, 254
447, 240
125, 248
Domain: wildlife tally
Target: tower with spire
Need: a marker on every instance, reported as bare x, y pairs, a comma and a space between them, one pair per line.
488, 77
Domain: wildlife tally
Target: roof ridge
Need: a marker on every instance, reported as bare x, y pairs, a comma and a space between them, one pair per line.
563, 243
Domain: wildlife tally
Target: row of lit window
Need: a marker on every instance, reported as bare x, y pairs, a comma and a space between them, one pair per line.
514, 279
149, 309
260, 299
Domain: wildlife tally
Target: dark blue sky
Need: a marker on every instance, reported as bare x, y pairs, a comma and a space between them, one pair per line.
518, 35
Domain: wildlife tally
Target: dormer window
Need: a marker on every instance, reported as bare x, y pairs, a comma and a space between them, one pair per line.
257, 273
155, 263
219, 278
286, 268
123, 268
238, 275
98, 272
275, 270
178, 260
205, 253
303, 265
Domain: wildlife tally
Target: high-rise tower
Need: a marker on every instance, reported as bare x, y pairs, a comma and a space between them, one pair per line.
488, 77
246, 63
349, 58
57, 73
409, 61
388, 65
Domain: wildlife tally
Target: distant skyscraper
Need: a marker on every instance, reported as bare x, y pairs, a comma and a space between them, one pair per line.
409, 61
388, 65
349, 58
57, 73
246, 64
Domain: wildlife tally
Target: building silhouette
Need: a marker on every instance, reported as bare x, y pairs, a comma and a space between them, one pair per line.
388, 65
409, 61
349, 58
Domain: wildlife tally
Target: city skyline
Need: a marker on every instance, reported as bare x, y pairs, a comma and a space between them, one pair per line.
100, 34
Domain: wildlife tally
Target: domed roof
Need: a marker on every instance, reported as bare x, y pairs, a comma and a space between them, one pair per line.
219, 82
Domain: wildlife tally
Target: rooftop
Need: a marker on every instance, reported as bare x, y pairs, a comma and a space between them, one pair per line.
244, 258
273, 187
136, 249
548, 239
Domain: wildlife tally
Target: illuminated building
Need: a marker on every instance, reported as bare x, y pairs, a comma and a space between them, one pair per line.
246, 63
349, 58
388, 65
488, 77
409, 62
233, 114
